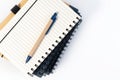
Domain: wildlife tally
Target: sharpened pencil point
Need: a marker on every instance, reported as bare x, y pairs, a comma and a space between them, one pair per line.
28, 59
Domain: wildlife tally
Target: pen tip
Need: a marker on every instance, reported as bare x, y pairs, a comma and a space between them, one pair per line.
28, 59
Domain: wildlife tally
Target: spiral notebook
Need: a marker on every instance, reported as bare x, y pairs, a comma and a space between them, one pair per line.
24, 29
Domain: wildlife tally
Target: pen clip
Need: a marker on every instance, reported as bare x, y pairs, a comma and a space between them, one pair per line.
53, 18
50, 26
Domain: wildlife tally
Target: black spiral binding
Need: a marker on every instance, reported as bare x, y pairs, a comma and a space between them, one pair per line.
62, 46
46, 67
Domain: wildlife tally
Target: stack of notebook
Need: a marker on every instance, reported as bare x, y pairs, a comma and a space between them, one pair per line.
35, 37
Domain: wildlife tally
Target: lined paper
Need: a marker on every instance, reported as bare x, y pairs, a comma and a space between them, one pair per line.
19, 42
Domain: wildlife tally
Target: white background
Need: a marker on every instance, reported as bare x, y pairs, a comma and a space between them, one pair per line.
94, 52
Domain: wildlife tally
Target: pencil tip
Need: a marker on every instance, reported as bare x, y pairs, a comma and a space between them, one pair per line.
28, 59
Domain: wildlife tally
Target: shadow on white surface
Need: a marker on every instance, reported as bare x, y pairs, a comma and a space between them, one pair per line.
93, 54
86, 7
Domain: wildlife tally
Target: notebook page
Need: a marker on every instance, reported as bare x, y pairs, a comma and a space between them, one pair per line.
17, 45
